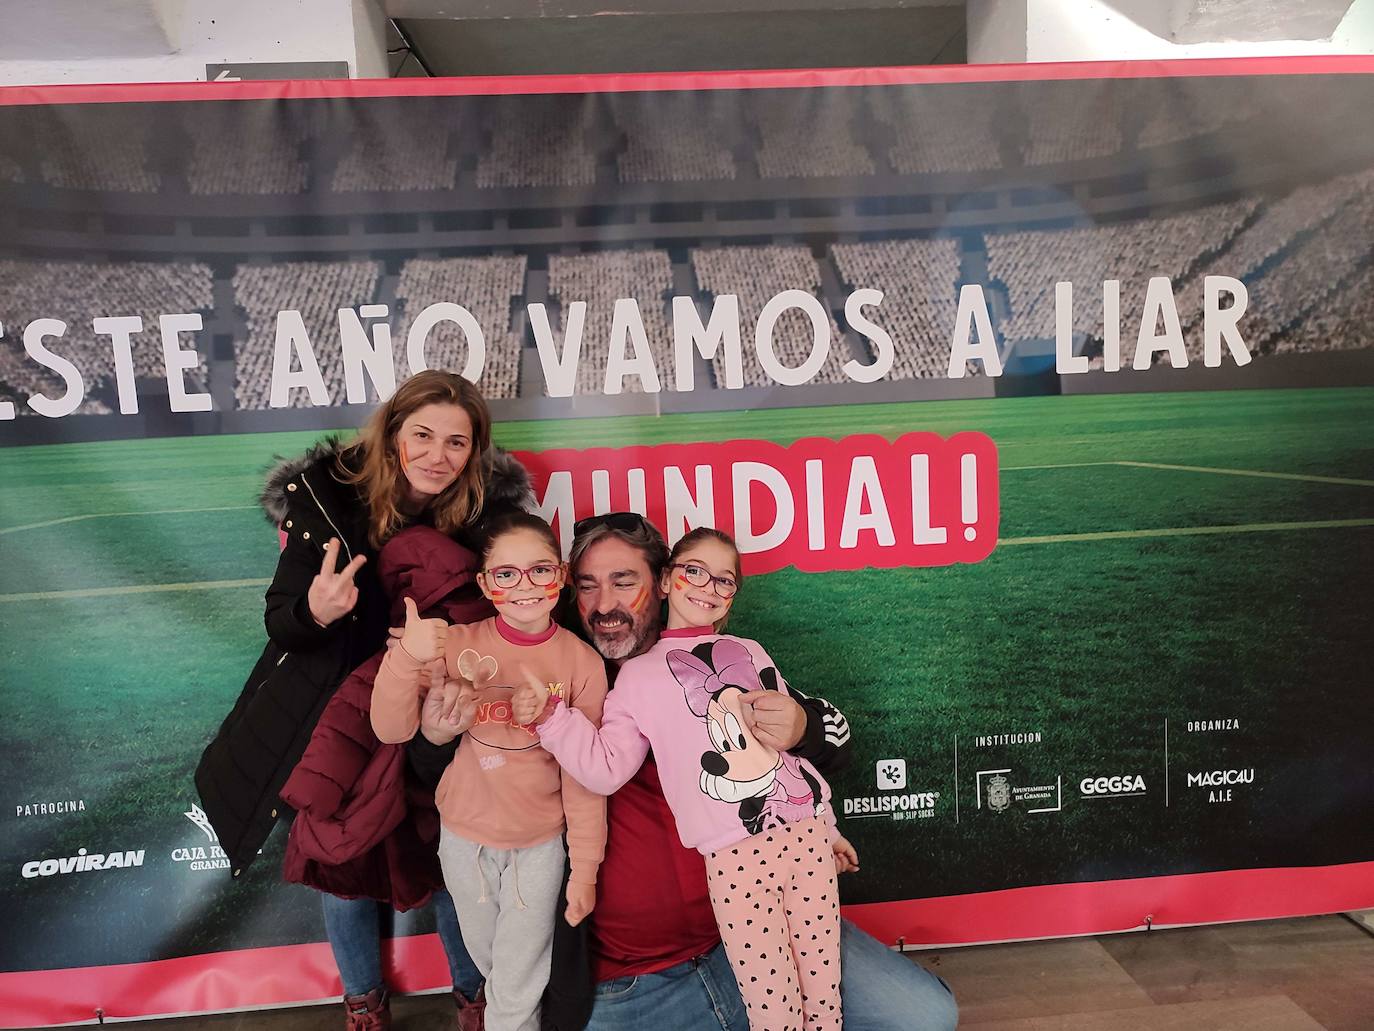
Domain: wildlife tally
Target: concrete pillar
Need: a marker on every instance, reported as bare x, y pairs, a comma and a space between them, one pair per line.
76, 41
997, 31
1013, 31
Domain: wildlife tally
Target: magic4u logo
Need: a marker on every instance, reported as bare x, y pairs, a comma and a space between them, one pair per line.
1221, 785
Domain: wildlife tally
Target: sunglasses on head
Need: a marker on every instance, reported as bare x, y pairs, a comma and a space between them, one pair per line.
626, 522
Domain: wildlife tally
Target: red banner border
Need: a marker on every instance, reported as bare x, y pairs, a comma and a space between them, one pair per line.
283, 975
1354, 64
292, 974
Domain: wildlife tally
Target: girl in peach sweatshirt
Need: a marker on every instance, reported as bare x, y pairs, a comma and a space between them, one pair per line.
762, 818
504, 803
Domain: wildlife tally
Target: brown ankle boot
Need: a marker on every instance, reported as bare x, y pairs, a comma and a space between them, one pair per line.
471, 1012
370, 1012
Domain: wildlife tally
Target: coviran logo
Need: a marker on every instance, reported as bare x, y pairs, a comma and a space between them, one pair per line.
82, 862
1220, 784
1112, 787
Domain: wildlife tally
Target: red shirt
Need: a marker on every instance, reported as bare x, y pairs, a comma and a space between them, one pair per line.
652, 906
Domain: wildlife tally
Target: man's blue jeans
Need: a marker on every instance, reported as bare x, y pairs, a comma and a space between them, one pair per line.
355, 937
882, 990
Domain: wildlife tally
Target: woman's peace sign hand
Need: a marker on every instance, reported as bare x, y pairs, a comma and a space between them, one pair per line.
333, 594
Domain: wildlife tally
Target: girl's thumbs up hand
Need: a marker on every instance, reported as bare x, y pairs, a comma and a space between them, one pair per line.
529, 700
423, 639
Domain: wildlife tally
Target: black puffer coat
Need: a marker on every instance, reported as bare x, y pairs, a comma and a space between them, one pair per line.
261, 740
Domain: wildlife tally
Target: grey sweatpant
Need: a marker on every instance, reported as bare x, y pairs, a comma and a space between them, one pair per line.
506, 901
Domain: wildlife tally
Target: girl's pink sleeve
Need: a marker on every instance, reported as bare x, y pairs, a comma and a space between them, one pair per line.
395, 710
585, 810
600, 760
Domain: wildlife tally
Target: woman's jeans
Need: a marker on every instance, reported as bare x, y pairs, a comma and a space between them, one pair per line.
354, 930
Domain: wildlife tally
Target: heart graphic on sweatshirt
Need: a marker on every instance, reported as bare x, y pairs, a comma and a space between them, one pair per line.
479, 669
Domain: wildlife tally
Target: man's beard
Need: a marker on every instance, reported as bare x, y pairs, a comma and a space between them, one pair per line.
628, 639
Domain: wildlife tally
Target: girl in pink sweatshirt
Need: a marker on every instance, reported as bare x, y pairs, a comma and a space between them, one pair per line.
503, 801
761, 817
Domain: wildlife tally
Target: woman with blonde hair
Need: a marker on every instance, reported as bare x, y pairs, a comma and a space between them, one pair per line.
424, 458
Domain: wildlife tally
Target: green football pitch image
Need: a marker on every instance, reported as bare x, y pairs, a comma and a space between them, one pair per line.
1181, 585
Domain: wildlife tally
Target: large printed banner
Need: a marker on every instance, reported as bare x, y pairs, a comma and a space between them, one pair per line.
1041, 402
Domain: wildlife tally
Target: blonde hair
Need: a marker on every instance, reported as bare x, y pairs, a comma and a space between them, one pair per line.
373, 463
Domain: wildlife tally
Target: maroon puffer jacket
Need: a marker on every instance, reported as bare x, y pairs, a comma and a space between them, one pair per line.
365, 828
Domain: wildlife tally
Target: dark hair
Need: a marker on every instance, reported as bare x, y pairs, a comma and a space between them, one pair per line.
630, 527
706, 533
512, 522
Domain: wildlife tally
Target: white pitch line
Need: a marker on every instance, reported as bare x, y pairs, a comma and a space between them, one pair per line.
1251, 472
1183, 531
107, 592
1061, 465
114, 515
1259, 473
1061, 538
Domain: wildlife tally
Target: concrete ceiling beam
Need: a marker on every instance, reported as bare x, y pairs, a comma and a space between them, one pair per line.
60, 29
487, 9
1234, 21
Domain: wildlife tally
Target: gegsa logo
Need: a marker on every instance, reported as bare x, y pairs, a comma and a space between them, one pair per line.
1106, 787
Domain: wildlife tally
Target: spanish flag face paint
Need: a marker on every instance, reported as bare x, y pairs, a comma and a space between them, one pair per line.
405, 457
517, 559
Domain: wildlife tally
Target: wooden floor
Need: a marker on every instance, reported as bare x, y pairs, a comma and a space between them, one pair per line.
1283, 975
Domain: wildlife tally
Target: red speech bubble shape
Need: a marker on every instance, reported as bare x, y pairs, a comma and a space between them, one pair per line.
816, 504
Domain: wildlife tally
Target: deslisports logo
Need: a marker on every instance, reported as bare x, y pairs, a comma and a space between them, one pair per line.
896, 802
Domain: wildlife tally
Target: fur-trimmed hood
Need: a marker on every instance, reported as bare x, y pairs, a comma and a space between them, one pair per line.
507, 482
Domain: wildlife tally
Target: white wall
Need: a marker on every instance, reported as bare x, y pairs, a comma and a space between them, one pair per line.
173, 40
1098, 30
